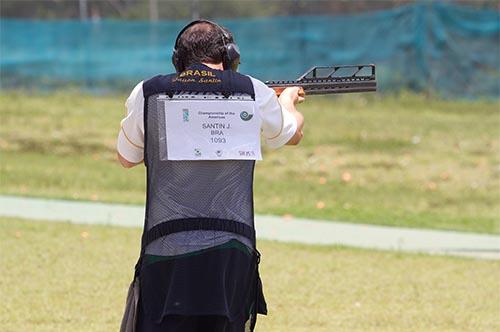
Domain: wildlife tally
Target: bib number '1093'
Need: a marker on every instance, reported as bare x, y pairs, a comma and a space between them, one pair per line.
212, 130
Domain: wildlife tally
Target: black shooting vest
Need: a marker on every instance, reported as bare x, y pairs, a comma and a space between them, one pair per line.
198, 246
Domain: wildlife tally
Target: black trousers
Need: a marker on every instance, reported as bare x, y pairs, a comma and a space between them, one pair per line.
178, 323
220, 282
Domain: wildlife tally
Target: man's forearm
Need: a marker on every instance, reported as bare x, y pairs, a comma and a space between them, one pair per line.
124, 162
288, 99
289, 106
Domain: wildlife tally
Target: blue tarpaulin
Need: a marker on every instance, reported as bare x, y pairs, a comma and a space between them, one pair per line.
442, 48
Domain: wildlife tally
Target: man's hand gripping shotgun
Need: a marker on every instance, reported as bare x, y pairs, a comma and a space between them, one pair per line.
332, 79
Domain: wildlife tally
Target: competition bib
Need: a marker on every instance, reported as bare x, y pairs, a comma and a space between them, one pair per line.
212, 129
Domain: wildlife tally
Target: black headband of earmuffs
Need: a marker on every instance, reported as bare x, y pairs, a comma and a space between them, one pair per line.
230, 58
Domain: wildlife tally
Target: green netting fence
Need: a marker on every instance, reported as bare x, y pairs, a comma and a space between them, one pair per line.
442, 48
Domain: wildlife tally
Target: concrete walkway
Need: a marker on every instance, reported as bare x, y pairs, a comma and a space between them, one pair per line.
272, 228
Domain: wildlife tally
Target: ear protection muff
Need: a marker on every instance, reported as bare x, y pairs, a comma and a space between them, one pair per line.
230, 57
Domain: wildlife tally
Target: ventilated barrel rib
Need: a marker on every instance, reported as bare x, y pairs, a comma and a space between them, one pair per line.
321, 80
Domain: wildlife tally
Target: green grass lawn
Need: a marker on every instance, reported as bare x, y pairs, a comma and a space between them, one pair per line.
405, 160
64, 277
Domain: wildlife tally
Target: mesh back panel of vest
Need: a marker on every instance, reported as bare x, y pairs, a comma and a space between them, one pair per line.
192, 189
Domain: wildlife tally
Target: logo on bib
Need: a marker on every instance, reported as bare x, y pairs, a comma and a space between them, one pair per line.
245, 116
197, 152
185, 115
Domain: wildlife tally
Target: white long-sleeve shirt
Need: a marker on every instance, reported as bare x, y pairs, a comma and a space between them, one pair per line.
278, 125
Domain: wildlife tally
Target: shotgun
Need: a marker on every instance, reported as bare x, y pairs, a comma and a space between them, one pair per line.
322, 80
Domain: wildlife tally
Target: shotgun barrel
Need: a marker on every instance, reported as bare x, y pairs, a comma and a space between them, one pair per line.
322, 80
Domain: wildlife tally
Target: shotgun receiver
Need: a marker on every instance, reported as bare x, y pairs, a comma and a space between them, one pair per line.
331, 79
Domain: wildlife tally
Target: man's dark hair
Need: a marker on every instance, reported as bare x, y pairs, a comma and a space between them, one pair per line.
203, 42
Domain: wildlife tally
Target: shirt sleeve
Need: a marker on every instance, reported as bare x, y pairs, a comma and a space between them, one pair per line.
278, 124
130, 144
